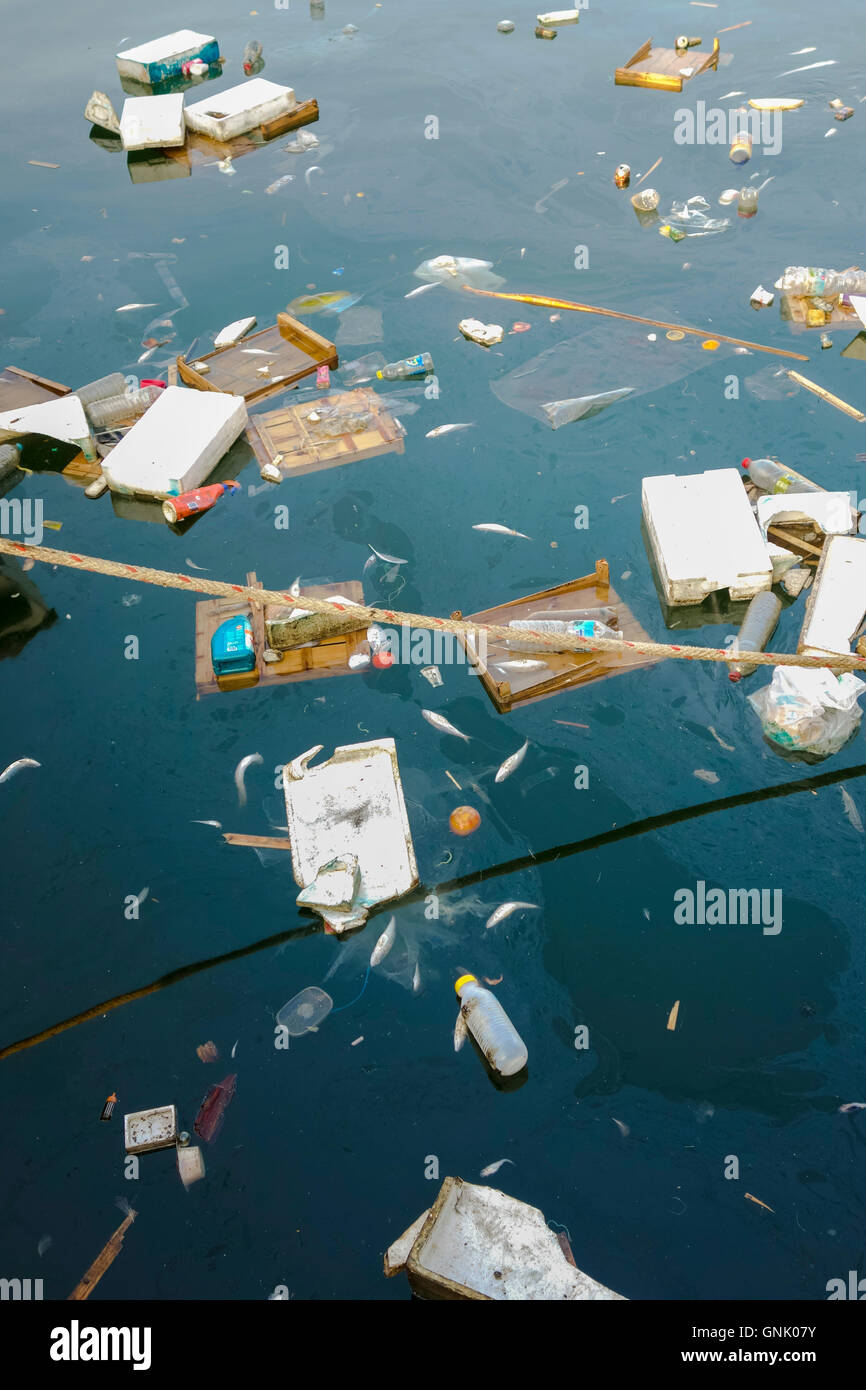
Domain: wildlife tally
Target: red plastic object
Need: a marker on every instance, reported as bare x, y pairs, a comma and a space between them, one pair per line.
161, 384
382, 660
201, 500
209, 1120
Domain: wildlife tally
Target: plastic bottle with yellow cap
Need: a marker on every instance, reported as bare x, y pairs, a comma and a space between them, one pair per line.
491, 1027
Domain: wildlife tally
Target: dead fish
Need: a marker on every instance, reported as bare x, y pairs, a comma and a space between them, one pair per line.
852, 1105
439, 722
827, 63
500, 530
257, 352
720, 741
460, 1031
527, 664
388, 559
505, 910
478, 792
43, 1245
416, 979
704, 775
235, 1048
127, 308
8, 773
145, 356
446, 429
194, 566
851, 810
215, 823
142, 896
511, 763
385, 942
240, 770
623, 1128
798, 52
494, 1167
422, 289
355, 1041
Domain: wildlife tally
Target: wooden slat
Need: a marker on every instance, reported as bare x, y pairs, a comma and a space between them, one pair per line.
257, 841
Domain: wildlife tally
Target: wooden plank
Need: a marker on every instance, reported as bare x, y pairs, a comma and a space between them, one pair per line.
257, 841
303, 114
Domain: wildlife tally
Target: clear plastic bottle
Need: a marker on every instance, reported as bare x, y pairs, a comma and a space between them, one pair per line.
582, 627
9, 456
419, 365
491, 1027
756, 629
112, 385
747, 201
103, 414
771, 476
601, 615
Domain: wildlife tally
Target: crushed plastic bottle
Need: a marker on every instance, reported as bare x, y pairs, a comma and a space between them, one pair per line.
419, 365
491, 1027
113, 410
756, 629
362, 368
332, 421
253, 57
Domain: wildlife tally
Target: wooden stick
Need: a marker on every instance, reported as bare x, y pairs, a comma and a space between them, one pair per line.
650, 170
257, 841
547, 303
106, 1257
827, 396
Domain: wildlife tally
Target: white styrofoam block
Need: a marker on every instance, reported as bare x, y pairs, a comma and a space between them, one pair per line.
61, 419
224, 115
832, 510
233, 332
837, 603
176, 444
152, 123
161, 58
704, 536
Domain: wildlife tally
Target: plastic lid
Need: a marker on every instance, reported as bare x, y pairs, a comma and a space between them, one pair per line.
464, 980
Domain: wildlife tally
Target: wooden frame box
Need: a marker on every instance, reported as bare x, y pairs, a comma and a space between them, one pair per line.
662, 68
284, 435
297, 352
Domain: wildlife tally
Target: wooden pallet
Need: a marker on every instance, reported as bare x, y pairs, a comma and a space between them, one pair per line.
662, 68
288, 436
327, 658
297, 352
566, 669
18, 387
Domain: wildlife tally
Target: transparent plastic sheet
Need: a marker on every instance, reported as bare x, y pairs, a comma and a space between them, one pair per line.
806, 710
572, 380
691, 216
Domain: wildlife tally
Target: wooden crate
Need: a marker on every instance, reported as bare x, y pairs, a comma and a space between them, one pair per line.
297, 351
567, 668
662, 68
327, 658
18, 387
286, 435
200, 151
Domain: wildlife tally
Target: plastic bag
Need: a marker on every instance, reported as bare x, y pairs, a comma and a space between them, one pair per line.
692, 217
456, 271
809, 710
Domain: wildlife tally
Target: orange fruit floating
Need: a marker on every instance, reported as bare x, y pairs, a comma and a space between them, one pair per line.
710, 345
464, 820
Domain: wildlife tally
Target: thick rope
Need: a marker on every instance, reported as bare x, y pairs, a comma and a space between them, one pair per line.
539, 641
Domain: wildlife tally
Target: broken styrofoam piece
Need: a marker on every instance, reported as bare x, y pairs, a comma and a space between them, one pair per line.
233, 332
832, 511
164, 57
152, 123
399, 1250
761, 298
351, 806
176, 444
190, 1164
837, 601
858, 304
484, 333
477, 1242
238, 110
557, 18
146, 1130
704, 536
99, 111
795, 581
335, 887
62, 419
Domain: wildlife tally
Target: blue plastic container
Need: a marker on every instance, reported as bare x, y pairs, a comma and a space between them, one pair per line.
231, 647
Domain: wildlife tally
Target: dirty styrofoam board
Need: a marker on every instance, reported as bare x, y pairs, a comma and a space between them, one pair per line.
176, 444
145, 1130
704, 536
352, 804
161, 58
223, 115
62, 419
399, 1250
837, 603
474, 1232
152, 123
831, 510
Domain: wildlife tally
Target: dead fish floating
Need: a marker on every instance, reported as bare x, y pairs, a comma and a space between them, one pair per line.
443, 725
500, 530
240, 772
494, 1167
511, 763
9, 772
385, 942
505, 910
447, 429
209, 1120
460, 1031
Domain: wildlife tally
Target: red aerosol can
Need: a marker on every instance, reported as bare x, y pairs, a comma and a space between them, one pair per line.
201, 500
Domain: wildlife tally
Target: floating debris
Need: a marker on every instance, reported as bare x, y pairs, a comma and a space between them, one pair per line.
494, 1167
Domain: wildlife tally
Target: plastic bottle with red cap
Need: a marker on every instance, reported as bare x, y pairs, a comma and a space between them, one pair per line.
771, 476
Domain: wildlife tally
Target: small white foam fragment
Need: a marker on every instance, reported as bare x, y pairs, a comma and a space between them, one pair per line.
233, 332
